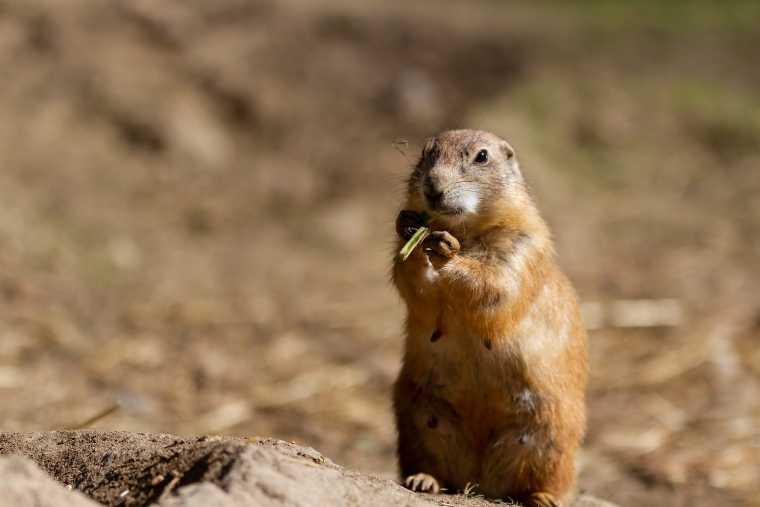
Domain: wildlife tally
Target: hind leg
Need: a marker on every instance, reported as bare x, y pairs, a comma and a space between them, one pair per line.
417, 464
529, 467
433, 452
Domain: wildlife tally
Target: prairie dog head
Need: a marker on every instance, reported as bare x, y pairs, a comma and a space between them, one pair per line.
466, 178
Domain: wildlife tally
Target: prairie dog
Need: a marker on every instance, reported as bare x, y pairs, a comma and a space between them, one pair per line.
492, 388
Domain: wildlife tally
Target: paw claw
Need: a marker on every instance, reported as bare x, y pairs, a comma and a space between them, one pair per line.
423, 483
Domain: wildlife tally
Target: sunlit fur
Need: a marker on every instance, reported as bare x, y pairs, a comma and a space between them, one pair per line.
504, 384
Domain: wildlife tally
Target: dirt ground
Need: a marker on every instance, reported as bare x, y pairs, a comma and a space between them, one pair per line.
138, 469
197, 198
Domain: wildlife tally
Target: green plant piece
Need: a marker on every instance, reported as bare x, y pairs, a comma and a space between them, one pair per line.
417, 238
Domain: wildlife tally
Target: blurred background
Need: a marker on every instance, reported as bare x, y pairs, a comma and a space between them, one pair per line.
197, 202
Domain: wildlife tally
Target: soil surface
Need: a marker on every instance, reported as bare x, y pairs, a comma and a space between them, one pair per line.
131, 469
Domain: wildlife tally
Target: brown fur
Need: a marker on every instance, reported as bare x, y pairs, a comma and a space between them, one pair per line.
491, 391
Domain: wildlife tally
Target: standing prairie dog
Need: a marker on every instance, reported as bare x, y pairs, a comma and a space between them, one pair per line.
491, 391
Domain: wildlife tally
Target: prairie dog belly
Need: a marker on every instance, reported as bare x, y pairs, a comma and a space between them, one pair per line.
482, 379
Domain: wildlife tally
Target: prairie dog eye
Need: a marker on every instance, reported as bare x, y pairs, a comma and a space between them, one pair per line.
481, 157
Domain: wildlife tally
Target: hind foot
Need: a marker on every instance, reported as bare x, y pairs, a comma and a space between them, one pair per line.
423, 483
541, 499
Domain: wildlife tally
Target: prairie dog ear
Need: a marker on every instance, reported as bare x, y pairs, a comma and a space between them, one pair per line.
427, 149
511, 156
507, 149
429, 144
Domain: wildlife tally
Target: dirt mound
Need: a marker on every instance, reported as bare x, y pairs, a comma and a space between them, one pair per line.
105, 465
135, 469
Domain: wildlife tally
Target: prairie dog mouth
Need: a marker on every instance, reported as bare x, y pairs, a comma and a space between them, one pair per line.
457, 201
450, 211
466, 203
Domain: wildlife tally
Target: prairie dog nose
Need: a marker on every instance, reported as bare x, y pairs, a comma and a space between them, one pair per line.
432, 194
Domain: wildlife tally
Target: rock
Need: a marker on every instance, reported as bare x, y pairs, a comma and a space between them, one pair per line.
134, 469
23, 484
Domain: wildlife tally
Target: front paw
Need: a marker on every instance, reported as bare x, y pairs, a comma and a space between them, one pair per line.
440, 247
408, 222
